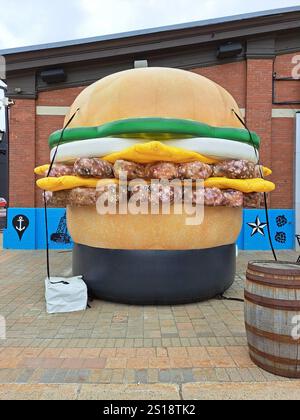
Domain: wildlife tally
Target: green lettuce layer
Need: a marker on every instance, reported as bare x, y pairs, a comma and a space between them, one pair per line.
156, 129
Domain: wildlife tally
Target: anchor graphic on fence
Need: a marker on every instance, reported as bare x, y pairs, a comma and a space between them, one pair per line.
21, 227
20, 224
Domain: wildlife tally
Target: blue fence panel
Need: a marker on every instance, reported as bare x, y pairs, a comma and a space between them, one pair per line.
21, 229
282, 226
59, 237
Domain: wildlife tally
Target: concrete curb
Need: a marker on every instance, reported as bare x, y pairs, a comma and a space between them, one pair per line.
242, 391
191, 391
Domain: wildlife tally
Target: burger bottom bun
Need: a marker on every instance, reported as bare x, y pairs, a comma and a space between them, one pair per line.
221, 226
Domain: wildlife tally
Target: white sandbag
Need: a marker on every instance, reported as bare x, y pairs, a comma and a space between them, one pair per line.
66, 295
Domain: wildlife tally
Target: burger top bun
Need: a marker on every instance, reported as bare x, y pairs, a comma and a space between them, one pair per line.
155, 92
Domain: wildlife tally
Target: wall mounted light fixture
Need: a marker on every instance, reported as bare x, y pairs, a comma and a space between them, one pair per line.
53, 76
229, 50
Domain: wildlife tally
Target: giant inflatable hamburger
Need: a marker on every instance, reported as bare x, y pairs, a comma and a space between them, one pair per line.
154, 124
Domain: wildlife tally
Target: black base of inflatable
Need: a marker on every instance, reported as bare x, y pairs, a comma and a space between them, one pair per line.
155, 277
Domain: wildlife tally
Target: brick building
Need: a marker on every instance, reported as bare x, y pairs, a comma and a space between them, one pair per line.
253, 56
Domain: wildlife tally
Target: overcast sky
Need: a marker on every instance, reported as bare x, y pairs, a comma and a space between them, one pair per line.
29, 22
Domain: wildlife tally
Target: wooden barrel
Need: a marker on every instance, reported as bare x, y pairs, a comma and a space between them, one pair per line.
272, 316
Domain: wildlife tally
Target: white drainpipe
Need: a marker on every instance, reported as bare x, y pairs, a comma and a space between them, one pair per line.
297, 176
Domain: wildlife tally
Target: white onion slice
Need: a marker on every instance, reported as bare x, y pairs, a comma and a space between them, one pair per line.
220, 149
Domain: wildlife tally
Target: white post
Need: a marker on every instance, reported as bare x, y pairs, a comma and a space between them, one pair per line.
297, 177
2, 106
141, 64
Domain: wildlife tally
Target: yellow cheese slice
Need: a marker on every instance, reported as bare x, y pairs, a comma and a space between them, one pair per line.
155, 151
42, 170
243, 185
66, 183
70, 182
267, 171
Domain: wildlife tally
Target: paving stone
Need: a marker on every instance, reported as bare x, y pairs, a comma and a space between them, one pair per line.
257, 374
24, 376
117, 376
234, 375
188, 375
116, 363
36, 376
205, 375
77, 376
9, 375
94, 363
175, 352
180, 362
100, 376
129, 376
138, 363
164, 376
161, 352
176, 376
153, 376
59, 376
146, 352
38, 392
129, 392
168, 336
222, 375
185, 342
72, 363
246, 375
47, 377
148, 342
141, 376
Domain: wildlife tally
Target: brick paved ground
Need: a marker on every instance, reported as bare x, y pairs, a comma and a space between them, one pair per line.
115, 344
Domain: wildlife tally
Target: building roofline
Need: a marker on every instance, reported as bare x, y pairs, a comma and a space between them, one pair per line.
181, 26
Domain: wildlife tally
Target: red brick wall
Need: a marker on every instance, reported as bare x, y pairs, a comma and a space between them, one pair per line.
45, 125
259, 103
286, 90
22, 154
250, 82
231, 76
283, 152
61, 97
283, 134
283, 64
